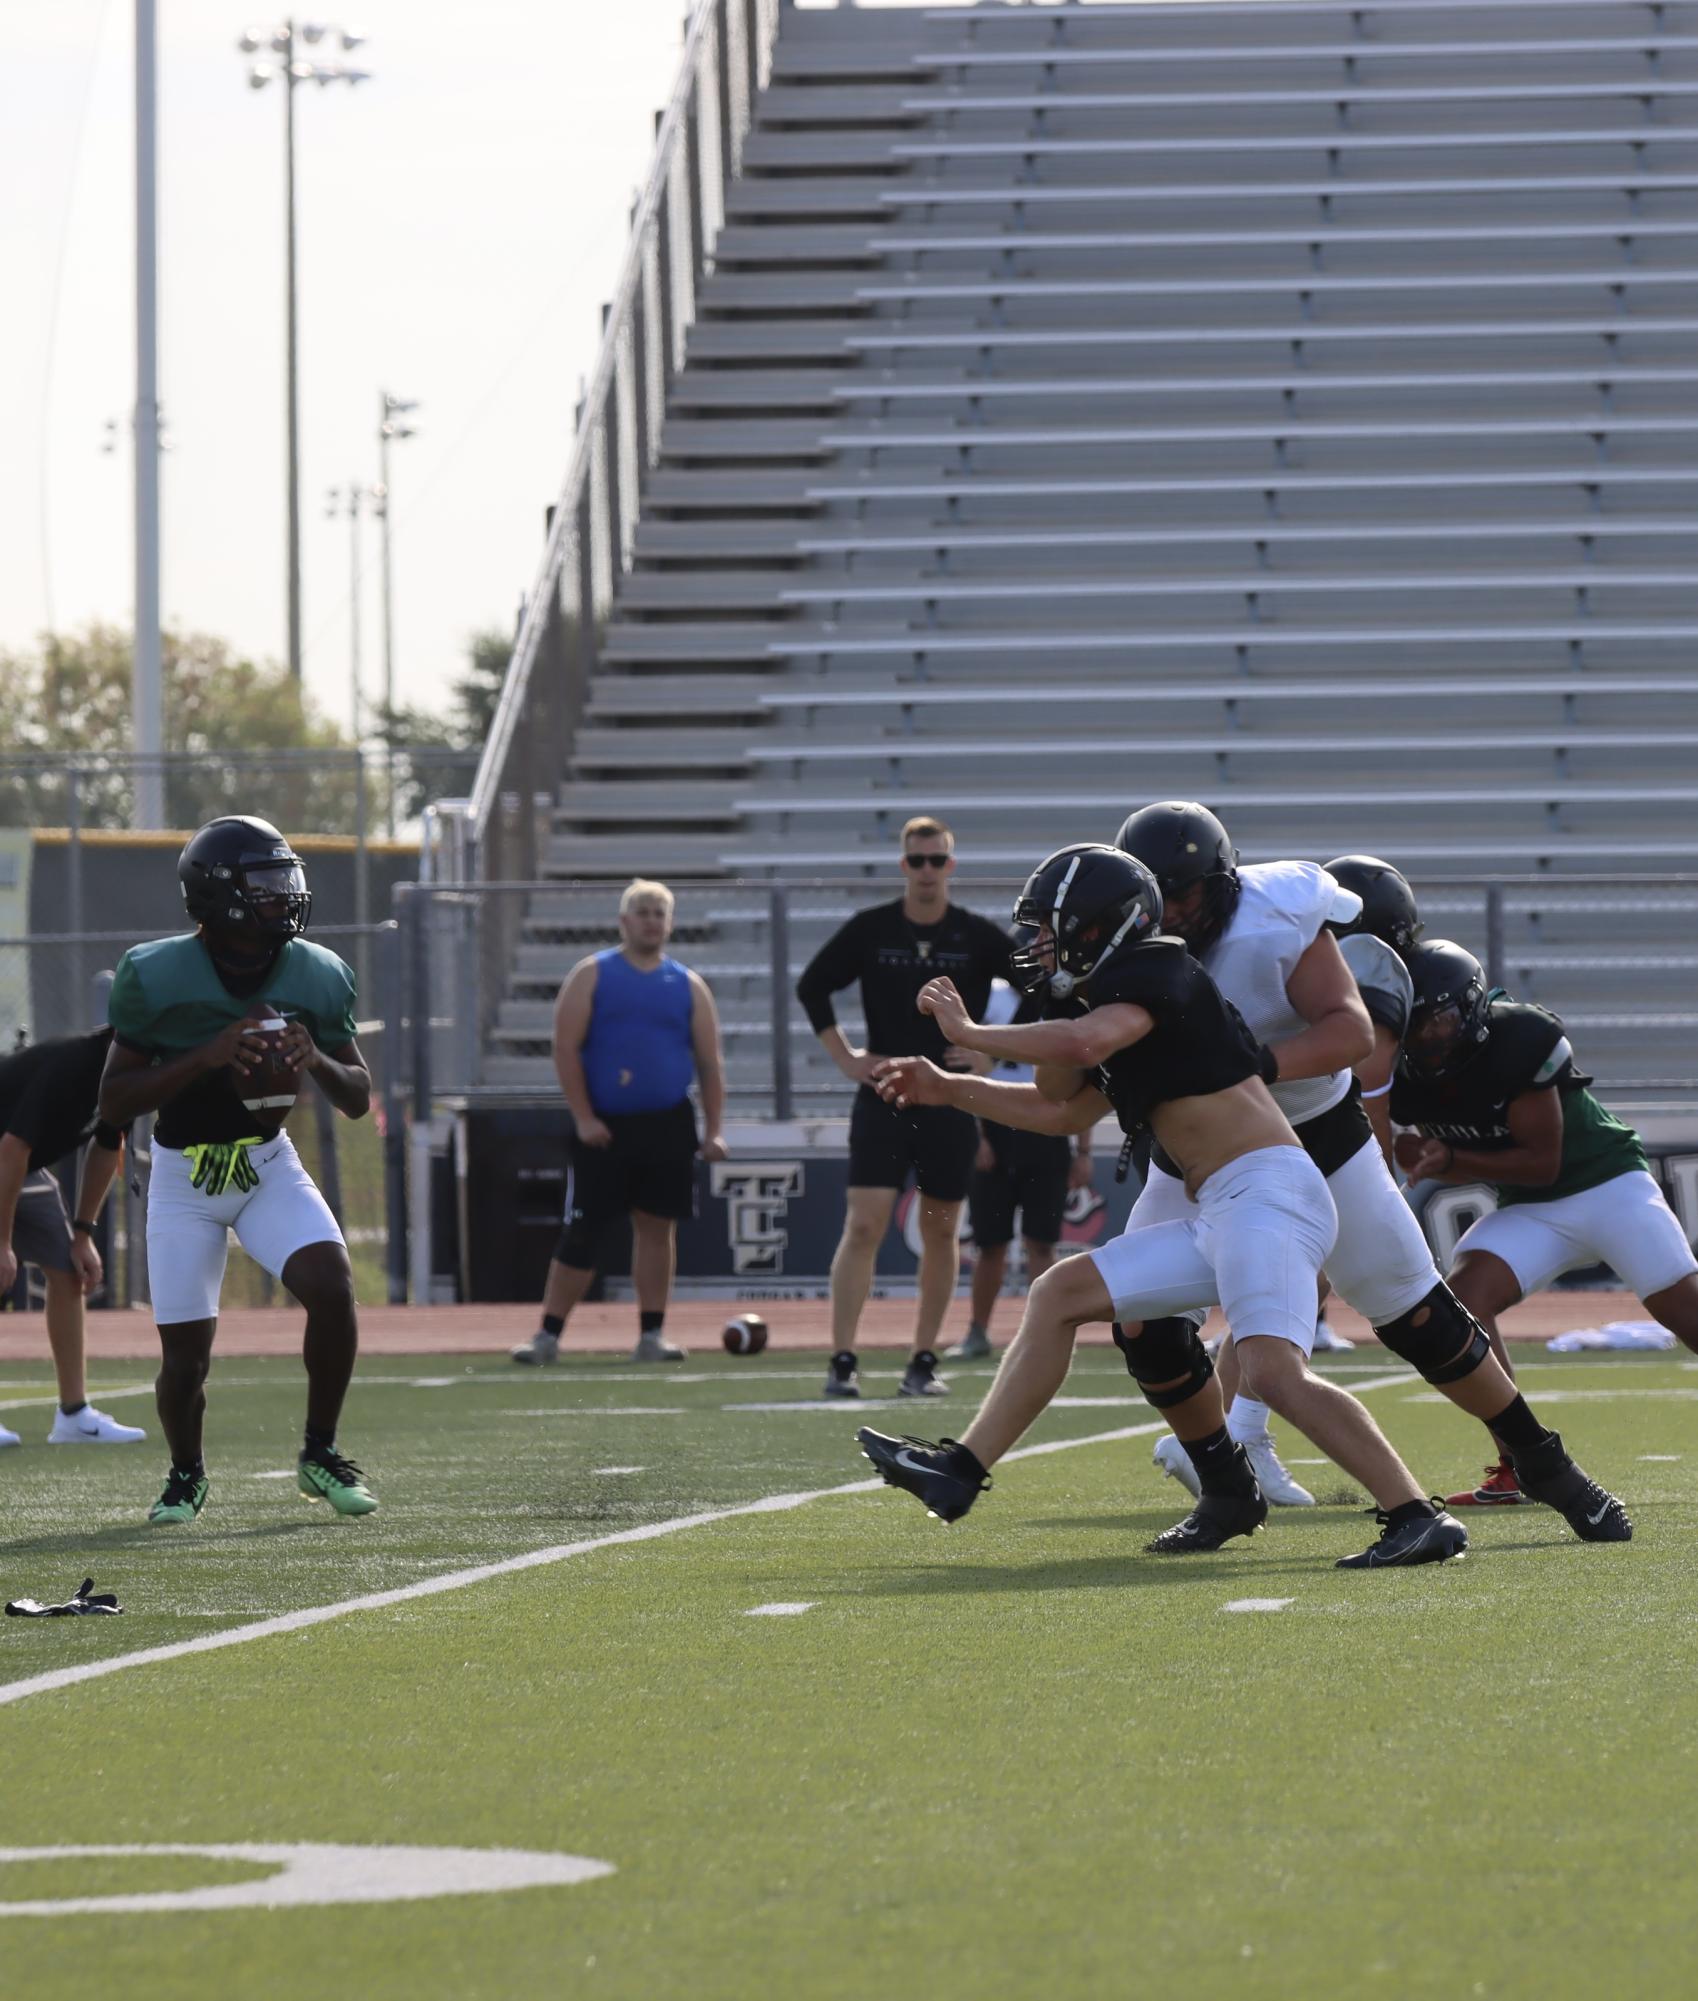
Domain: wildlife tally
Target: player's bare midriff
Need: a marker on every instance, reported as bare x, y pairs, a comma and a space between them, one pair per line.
1202, 1135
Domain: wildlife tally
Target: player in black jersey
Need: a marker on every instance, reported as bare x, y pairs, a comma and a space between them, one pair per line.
1491, 1088
1137, 1027
892, 950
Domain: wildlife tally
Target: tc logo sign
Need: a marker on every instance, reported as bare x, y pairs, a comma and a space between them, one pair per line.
756, 1194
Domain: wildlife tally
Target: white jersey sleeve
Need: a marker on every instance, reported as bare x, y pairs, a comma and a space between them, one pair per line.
1383, 980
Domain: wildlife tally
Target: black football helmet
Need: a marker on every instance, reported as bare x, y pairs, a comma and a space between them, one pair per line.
240, 874
1094, 902
1388, 903
1446, 980
1182, 843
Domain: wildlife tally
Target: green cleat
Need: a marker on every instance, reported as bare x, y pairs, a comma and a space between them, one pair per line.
327, 1476
182, 1500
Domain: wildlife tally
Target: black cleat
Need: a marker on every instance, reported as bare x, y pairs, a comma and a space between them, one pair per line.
920, 1378
945, 1476
841, 1378
1594, 1514
1433, 1538
1216, 1519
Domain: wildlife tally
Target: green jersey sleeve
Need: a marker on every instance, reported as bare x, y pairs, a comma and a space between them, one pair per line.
128, 1007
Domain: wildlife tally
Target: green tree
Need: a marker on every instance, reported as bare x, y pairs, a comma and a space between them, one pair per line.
69, 700
436, 756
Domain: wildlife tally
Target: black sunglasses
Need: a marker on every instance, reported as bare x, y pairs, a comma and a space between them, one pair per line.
927, 861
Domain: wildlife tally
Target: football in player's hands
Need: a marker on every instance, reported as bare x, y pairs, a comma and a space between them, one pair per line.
271, 1081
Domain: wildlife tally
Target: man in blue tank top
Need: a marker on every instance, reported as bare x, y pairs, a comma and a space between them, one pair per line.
632, 1029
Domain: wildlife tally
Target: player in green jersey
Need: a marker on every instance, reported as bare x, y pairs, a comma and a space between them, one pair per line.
184, 1042
1492, 1091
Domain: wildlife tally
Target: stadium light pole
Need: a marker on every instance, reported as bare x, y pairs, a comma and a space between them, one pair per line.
146, 673
350, 502
283, 41
393, 412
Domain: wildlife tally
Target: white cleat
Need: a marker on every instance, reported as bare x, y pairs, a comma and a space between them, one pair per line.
1329, 1343
92, 1427
1175, 1462
8, 1438
1272, 1478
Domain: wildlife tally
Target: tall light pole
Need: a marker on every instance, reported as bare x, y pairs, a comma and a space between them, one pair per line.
282, 41
393, 412
350, 502
145, 673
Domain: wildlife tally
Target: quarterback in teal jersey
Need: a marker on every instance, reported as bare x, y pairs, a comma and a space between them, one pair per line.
186, 1040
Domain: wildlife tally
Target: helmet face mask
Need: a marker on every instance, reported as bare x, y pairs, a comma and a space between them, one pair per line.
243, 882
1183, 844
1080, 907
1448, 1022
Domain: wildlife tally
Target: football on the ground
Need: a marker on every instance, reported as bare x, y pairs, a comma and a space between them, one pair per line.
746, 1335
272, 1085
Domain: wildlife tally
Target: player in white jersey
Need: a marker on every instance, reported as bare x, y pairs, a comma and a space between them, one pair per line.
1262, 934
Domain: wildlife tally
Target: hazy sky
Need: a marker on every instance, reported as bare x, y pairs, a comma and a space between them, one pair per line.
461, 217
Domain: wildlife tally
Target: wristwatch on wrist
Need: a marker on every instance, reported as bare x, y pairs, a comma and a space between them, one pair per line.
87, 1229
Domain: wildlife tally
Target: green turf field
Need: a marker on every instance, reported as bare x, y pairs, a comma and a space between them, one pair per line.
1014, 1758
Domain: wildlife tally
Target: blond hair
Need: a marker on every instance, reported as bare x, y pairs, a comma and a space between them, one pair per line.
925, 827
640, 886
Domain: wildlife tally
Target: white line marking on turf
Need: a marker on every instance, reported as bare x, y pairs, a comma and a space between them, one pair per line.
52, 1402
598, 1410
1258, 1604
311, 1872
1580, 1396
1308, 1462
781, 1610
838, 1406
604, 1470
285, 1473
1660, 1458
534, 1559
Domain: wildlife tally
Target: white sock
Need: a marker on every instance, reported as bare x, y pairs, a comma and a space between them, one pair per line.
1247, 1420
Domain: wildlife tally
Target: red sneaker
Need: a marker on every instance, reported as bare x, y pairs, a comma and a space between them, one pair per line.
1499, 1489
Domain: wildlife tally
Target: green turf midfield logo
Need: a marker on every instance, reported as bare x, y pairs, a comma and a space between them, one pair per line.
279, 1874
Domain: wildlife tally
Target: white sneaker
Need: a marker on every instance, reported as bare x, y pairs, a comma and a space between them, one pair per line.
1329, 1343
92, 1427
656, 1348
541, 1351
1175, 1462
1271, 1476
8, 1438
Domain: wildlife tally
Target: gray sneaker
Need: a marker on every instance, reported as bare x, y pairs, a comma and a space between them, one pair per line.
656, 1348
972, 1347
541, 1351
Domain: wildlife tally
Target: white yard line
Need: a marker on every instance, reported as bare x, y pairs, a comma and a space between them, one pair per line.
535, 1559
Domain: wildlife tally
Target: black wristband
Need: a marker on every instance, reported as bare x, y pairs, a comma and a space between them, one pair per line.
1267, 1065
87, 1229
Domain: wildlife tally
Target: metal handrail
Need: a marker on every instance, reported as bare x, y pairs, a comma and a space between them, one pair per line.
678, 122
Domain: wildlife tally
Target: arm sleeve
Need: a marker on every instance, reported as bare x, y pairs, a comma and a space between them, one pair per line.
341, 1027
836, 965
128, 1008
1382, 980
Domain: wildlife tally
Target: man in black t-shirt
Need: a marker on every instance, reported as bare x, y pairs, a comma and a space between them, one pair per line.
893, 950
48, 1094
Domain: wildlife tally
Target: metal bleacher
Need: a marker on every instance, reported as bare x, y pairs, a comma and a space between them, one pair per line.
1288, 403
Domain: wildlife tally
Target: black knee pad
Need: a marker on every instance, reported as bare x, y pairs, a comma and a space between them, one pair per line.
580, 1245
1168, 1351
1439, 1337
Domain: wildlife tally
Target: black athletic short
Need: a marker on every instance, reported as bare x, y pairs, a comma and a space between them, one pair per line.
41, 1231
934, 1143
649, 1164
1030, 1176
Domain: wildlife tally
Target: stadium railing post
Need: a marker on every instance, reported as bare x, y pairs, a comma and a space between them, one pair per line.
392, 1007
1494, 934
722, 77
778, 931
